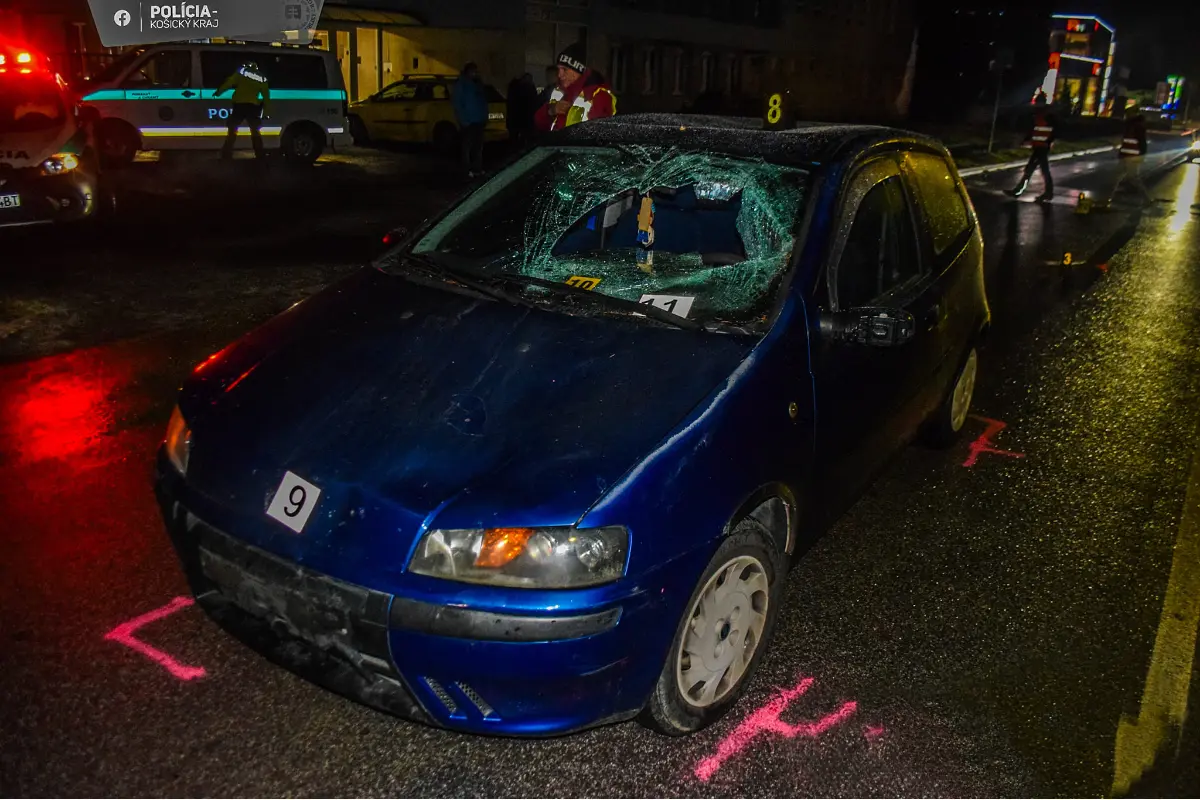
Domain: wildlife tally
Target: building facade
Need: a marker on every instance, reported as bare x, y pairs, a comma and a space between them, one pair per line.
840, 60
1079, 76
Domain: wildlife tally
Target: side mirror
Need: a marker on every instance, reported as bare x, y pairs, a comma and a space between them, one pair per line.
395, 236
877, 327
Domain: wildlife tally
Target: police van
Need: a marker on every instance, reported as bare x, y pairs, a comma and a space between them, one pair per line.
49, 170
160, 97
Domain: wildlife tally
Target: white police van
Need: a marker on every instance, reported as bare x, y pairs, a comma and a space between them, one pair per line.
160, 97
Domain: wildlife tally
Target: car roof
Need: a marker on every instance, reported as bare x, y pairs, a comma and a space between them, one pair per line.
806, 144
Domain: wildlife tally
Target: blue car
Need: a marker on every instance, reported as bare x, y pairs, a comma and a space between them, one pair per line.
545, 465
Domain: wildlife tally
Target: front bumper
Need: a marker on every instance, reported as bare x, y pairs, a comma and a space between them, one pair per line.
47, 198
443, 664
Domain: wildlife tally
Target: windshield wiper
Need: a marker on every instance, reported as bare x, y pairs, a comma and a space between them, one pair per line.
628, 306
456, 276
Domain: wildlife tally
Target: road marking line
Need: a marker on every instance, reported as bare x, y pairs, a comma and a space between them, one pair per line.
1164, 699
123, 633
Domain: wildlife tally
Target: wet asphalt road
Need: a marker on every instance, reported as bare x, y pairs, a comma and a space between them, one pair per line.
985, 629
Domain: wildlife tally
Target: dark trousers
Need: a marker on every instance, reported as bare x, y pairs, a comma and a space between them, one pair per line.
1038, 159
472, 147
251, 114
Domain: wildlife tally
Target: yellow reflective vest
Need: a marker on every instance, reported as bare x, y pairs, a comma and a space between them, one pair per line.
247, 87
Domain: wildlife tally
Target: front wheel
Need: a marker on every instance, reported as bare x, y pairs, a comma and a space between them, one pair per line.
947, 422
723, 635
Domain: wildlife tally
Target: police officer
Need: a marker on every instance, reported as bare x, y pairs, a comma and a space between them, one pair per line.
249, 85
581, 94
1041, 137
1131, 154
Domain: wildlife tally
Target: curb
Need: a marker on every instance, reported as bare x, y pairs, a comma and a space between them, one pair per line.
967, 172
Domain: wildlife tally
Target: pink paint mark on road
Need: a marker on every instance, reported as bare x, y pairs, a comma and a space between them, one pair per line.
767, 719
123, 633
872, 732
984, 443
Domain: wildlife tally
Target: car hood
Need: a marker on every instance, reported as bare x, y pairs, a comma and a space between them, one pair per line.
31, 148
387, 391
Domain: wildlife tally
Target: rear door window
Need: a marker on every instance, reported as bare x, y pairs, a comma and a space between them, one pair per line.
942, 204
283, 71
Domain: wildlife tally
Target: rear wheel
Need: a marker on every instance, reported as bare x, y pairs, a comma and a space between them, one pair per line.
723, 635
117, 142
302, 144
947, 422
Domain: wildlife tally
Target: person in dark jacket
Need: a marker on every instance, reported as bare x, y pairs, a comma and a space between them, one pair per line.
522, 105
471, 110
1131, 155
1040, 139
581, 94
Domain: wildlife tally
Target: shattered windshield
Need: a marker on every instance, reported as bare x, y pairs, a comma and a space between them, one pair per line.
702, 235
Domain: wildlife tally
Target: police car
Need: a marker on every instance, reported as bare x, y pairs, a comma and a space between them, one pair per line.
48, 167
160, 97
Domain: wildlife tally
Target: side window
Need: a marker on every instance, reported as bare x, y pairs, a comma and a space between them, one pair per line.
294, 71
217, 65
881, 248
941, 203
169, 69
440, 92
399, 91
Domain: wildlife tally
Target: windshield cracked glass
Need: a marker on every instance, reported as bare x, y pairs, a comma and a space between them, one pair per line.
702, 235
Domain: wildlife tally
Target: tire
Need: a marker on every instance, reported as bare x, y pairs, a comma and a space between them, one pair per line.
358, 132
445, 138
117, 142
676, 709
302, 144
944, 427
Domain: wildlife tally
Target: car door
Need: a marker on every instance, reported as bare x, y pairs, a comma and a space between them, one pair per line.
867, 396
163, 99
388, 114
954, 253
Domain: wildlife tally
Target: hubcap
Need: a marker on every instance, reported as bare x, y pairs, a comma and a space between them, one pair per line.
723, 632
963, 391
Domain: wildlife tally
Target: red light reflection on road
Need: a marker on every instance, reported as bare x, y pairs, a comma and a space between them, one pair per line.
872, 732
984, 443
63, 413
766, 719
124, 633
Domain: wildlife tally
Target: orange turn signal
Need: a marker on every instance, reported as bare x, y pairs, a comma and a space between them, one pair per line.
502, 545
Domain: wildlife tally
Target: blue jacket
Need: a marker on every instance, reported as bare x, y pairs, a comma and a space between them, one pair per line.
470, 103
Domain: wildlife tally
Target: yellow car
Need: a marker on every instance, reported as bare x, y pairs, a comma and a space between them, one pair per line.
417, 109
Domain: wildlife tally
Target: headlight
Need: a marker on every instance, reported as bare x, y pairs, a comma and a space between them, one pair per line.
59, 163
531, 558
178, 441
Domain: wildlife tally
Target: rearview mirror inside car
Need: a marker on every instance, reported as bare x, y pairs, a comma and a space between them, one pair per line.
877, 327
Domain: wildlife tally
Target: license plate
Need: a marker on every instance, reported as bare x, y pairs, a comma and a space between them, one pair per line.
294, 502
495, 115
10, 201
